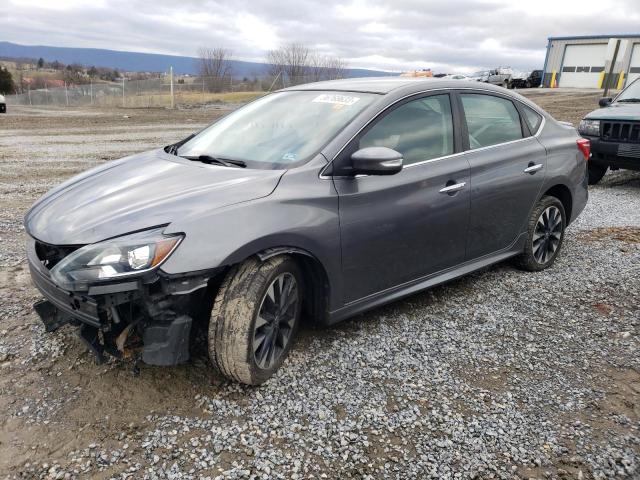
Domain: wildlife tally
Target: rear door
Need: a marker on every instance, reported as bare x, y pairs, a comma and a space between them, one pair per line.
398, 228
507, 170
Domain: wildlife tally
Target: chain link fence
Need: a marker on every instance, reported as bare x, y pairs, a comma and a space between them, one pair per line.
161, 92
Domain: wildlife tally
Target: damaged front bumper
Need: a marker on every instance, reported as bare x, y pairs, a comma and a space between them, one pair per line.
149, 318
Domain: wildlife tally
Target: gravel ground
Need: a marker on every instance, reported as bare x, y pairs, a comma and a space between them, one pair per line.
501, 374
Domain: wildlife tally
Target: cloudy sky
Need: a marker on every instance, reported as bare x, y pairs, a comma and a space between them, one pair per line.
451, 36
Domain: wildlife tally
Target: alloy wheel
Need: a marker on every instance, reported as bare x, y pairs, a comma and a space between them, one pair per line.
276, 319
547, 235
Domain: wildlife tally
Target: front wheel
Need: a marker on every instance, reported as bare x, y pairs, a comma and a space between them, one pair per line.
255, 318
596, 172
545, 233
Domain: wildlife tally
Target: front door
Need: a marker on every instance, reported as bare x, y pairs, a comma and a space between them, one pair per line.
398, 228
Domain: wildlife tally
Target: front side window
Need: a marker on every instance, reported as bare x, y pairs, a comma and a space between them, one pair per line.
279, 130
420, 130
490, 120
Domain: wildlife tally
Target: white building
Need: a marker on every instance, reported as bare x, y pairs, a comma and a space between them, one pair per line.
586, 61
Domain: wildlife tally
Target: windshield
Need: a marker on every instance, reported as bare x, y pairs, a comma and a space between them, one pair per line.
631, 93
280, 130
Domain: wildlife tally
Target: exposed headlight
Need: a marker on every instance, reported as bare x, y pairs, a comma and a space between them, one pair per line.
119, 257
589, 127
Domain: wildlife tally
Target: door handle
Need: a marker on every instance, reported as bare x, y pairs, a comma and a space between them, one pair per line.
533, 168
453, 188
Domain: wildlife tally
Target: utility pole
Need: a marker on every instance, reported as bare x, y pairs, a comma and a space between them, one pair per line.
29, 93
122, 91
91, 90
66, 93
274, 81
171, 75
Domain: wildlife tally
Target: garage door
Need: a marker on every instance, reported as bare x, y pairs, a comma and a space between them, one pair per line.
583, 65
634, 65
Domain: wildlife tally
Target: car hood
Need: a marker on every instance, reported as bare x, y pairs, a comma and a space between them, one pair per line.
617, 111
138, 192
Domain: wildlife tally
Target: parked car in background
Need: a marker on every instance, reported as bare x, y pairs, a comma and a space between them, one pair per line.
321, 200
3, 104
526, 79
535, 79
500, 76
614, 132
481, 76
457, 76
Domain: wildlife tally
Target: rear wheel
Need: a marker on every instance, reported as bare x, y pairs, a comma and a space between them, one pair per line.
545, 235
255, 318
596, 172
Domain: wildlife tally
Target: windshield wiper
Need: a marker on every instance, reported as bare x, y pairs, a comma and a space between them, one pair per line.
630, 100
217, 161
173, 148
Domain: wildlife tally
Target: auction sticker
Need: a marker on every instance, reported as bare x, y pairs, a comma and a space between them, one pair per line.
335, 99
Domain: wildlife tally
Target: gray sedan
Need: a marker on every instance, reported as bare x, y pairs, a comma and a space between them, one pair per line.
319, 202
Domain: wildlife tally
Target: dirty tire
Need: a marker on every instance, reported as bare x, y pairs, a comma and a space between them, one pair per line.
527, 260
234, 314
596, 172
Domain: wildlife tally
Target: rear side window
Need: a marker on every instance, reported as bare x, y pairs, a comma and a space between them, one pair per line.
490, 120
421, 129
533, 119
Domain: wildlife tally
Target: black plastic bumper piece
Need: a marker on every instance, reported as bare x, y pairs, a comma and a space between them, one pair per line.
89, 335
167, 344
51, 316
615, 154
81, 307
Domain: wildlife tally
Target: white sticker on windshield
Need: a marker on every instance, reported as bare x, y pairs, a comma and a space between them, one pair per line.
336, 99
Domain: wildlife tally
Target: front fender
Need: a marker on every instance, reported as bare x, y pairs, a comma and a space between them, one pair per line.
301, 213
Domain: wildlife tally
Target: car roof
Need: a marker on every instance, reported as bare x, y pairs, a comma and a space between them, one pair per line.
385, 85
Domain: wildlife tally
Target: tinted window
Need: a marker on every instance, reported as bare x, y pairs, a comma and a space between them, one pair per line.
420, 130
533, 118
490, 120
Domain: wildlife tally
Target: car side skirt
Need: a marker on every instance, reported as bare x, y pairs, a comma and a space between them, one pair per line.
401, 291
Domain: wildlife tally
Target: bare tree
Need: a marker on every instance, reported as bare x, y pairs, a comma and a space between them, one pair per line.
326, 67
335, 67
316, 67
296, 63
290, 61
214, 67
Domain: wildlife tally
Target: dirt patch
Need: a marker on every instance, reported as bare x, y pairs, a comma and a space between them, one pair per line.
621, 234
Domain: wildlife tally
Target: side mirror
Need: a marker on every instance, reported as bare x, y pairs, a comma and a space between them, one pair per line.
376, 161
605, 101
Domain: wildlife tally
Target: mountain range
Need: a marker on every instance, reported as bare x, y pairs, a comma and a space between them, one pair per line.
142, 62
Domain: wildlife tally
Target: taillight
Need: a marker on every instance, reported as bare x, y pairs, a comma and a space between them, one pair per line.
584, 146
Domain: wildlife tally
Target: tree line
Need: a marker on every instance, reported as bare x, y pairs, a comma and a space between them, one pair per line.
289, 64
